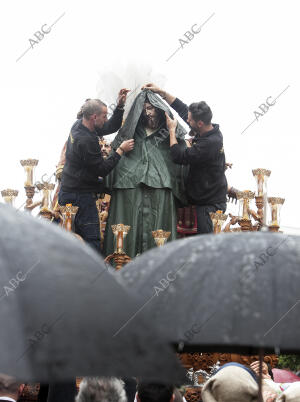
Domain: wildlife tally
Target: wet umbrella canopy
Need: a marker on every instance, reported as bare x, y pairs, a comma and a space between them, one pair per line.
284, 375
228, 292
62, 313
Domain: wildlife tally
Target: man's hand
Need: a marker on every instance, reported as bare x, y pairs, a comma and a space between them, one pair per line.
171, 123
127, 146
228, 165
232, 194
122, 97
153, 88
188, 142
265, 371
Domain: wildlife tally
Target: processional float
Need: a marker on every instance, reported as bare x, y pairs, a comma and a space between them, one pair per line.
200, 366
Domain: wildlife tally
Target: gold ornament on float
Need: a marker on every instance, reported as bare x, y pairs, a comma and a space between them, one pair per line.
160, 237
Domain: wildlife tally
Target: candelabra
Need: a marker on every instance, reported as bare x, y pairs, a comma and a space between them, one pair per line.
245, 213
218, 218
160, 237
119, 256
275, 205
68, 213
103, 208
46, 188
29, 167
261, 176
9, 196
30, 186
244, 198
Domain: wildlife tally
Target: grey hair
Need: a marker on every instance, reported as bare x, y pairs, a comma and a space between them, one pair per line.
101, 389
92, 106
8, 384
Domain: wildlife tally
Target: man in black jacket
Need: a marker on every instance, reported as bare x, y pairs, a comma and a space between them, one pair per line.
206, 184
85, 167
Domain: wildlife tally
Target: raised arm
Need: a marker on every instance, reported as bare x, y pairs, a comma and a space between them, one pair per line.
114, 123
93, 160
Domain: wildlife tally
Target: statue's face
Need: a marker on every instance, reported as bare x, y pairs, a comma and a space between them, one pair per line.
151, 115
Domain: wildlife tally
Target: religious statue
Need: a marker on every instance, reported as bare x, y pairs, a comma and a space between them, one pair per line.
146, 186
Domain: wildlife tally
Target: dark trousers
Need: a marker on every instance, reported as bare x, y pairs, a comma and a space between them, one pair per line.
204, 222
87, 219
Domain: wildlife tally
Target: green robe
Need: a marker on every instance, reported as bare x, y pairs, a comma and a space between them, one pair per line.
146, 186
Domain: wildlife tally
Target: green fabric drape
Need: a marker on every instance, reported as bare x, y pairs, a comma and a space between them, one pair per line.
144, 209
146, 186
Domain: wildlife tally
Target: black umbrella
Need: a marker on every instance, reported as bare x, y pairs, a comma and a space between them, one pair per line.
62, 313
229, 292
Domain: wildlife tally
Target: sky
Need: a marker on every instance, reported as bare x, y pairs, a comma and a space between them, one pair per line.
238, 56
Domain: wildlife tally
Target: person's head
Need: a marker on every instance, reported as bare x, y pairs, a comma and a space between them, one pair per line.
199, 117
177, 396
105, 147
152, 116
10, 387
94, 113
148, 392
99, 389
231, 384
79, 114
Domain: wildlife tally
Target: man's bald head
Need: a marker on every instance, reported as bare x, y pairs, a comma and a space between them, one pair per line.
9, 386
91, 107
94, 114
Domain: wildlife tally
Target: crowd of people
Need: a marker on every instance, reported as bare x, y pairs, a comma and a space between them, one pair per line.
232, 382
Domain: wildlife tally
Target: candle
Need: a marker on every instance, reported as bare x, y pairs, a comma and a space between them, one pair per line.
274, 214
120, 241
29, 176
260, 184
29, 165
245, 208
9, 195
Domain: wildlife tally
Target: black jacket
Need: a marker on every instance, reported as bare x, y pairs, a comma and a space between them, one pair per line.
84, 162
206, 182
